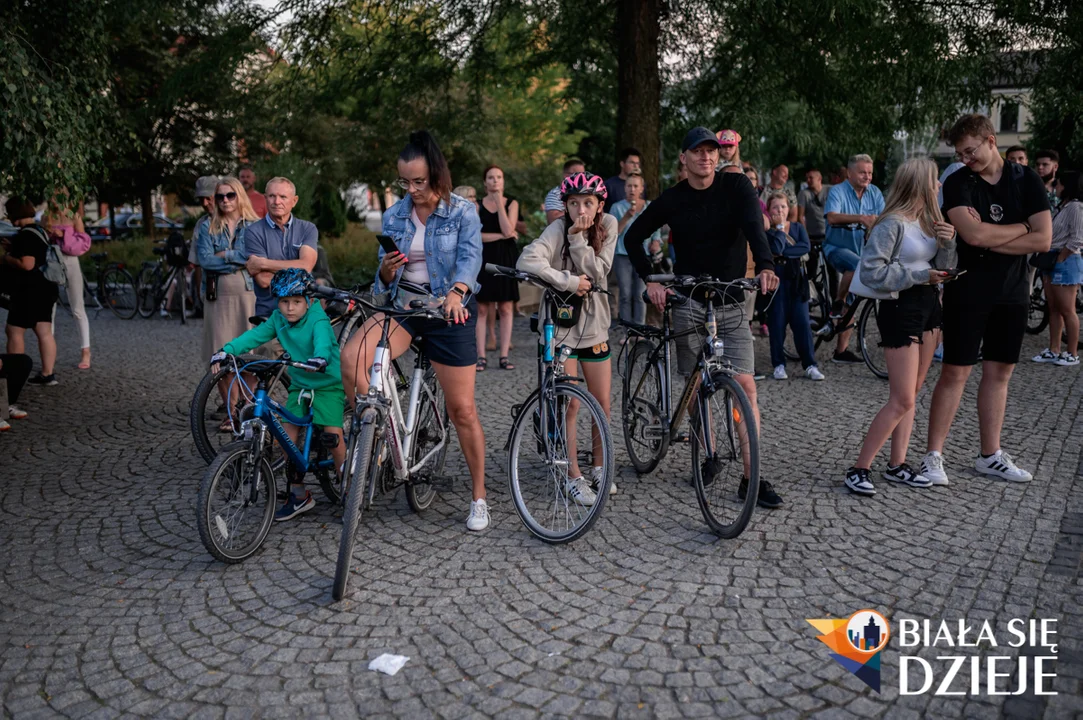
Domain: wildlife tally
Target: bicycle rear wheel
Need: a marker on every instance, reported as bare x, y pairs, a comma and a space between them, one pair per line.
432, 428
236, 504
362, 465
1038, 311
146, 290
731, 428
644, 424
210, 410
869, 335
538, 467
117, 291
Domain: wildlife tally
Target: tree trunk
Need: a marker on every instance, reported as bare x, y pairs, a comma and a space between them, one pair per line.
148, 212
639, 84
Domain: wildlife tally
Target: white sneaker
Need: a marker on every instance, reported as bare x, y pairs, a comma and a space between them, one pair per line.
932, 468
596, 479
16, 413
4, 426
578, 489
813, 373
1045, 356
1066, 359
479, 516
163, 312
1000, 464
780, 372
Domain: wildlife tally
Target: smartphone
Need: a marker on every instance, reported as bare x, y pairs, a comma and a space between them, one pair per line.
387, 243
955, 272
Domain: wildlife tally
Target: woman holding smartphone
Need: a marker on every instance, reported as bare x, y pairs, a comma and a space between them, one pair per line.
437, 242
907, 252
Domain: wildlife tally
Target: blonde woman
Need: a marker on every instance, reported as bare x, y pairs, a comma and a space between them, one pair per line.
467, 192
908, 250
61, 222
229, 299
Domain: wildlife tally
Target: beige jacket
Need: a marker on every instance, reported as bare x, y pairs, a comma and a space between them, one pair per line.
544, 258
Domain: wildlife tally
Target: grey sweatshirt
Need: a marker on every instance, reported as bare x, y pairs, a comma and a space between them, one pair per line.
880, 266
543, 258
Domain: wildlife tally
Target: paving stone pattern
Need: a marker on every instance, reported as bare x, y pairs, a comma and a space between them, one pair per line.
112, 607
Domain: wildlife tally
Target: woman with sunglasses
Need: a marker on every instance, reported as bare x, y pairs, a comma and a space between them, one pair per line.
229, 299
438, 235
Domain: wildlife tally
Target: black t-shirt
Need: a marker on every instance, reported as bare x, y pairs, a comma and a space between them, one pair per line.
1019, 194
713, 225
28, 242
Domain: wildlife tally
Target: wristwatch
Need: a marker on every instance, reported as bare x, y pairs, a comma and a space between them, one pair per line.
459, 291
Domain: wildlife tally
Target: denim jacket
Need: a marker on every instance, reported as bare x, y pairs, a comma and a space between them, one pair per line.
208, 244
452, 243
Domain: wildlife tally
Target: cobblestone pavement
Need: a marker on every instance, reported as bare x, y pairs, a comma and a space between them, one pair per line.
114, 608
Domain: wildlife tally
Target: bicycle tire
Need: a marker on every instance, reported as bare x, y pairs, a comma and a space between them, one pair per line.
523, 435
216, 473
819, 299
1038, 307
869, 339
361, 468
712, 493
433, 412
203, 426
632, 388
117, 290
146, 290
354, 321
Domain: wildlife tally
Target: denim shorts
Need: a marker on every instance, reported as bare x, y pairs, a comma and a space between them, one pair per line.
1069, 272
841, 259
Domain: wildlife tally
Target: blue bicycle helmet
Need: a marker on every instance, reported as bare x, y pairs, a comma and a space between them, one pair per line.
291, 282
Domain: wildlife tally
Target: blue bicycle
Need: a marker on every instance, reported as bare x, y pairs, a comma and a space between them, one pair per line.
238, 495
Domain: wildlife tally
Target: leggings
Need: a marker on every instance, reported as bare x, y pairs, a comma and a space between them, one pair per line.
75, 299
16, 369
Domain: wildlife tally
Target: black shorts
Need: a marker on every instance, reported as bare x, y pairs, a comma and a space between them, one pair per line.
904, 321
447, 344
596, 353
33, 305
995, 330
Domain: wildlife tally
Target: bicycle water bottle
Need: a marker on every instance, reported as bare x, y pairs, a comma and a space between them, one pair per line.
548, 331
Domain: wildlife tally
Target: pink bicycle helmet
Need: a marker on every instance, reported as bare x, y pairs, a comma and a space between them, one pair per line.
583, 183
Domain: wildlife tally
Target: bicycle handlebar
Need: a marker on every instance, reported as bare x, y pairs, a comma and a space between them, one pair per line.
284, 360
691, 280
336, 294
531, 278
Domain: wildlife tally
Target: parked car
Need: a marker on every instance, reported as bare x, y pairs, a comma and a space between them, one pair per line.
127, 223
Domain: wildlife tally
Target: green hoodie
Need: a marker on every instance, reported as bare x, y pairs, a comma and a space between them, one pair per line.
309, 337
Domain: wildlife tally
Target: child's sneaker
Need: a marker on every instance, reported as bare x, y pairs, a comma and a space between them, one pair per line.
295, 506
16, 413
4, 426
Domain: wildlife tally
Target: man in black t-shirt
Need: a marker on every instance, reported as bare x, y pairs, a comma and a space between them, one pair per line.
717, 217
1002, 215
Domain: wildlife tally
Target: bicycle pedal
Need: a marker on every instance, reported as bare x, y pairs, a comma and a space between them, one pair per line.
653, 432
682, 438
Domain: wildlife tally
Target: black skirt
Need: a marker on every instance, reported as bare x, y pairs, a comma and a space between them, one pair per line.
498, 289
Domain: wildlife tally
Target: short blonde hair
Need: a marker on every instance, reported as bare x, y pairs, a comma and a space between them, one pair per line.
777, 195
465, 191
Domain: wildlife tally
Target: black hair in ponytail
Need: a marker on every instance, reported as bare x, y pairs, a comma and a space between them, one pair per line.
422, 145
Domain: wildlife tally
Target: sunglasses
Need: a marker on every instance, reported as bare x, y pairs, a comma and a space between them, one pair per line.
226, 196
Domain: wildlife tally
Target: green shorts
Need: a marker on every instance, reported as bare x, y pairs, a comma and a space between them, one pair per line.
328, 405
597, 353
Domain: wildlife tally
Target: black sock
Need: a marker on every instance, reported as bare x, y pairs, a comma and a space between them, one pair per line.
987, 456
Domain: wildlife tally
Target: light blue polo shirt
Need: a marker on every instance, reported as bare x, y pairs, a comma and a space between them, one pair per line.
841, 198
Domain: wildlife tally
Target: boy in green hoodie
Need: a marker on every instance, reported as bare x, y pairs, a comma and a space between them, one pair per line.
303, 329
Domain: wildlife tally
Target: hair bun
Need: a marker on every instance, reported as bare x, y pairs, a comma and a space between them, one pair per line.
421, 138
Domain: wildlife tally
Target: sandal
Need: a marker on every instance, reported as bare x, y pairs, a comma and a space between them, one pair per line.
505, 365
482, 364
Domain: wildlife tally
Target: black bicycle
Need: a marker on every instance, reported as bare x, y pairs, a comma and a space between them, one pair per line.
724, 438
114, 288
156, 277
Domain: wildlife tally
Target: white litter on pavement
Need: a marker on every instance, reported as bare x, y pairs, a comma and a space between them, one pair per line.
388, 664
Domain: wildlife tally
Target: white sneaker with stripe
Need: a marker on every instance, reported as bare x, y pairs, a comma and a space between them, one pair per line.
1000, 465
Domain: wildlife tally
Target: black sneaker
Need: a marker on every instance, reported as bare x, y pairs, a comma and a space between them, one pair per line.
847, 357
838, 309
43, 380
906, 474
768, 498
857, 479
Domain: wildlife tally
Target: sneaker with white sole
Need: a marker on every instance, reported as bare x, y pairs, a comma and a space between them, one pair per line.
479, 516
857, 479
596, 479
16, 413
578, 489
1000, 465
932, 468
780, 372
1066, 359
4, 426
813, 373
1045, 356
905, 474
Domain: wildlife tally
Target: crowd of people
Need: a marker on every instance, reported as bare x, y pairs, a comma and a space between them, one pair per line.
946, 264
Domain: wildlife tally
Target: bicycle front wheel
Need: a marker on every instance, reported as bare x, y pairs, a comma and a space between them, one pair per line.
1038, 310
362, 464
725, 456
236, 504
548, 497
219, 406
117, 291
645, 433
869, 333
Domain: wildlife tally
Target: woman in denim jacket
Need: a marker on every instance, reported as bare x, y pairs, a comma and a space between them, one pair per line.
439, 239
221, 253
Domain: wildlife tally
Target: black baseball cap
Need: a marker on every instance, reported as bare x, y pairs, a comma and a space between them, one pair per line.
696, 137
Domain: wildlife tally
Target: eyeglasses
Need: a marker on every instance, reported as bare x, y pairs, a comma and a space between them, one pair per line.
968, 153
407, 184
226, 196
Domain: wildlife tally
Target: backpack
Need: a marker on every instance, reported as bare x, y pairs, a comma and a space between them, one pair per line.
176, 250
53, 269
